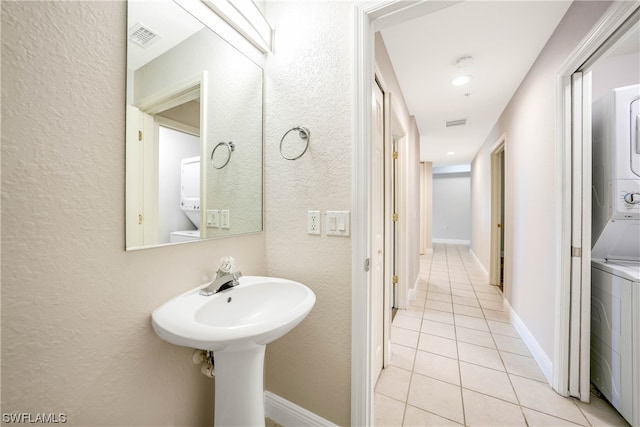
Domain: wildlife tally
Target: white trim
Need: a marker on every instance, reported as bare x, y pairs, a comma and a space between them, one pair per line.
452, 241
541, 358
498, 204
611, 20
364, 13
287, 413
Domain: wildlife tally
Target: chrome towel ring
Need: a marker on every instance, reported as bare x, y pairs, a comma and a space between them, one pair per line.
230, 148
304, 135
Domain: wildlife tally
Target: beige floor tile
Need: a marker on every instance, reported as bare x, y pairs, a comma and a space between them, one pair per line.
465, 286
405, 321
482, 410
511, 344
477, 355
388, 411
483, 296
440, 288
437, 397
471, 322
522, 366
438, 345
438, 305
438, 316
437, 296
463, 293
487, 381
415, 417
412, 311
467, 310
502, 328
438, 367
470, 301
402, 357
394, 382
438, 328
491, 305
404, 337
539, 396
599, 412
488, 289
498, 315
535, 419
474, 336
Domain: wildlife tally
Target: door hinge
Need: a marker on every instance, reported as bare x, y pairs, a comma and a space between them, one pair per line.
576, 252
394, 279
367, 264
395, 217
139, 135
139, 218
395, 155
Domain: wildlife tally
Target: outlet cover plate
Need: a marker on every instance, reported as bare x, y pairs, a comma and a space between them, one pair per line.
313, 222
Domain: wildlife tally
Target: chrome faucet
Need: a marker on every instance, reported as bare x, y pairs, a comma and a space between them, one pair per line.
224, 280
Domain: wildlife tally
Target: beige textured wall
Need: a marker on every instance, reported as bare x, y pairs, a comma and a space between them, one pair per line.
531, 224
76, 332
308, 83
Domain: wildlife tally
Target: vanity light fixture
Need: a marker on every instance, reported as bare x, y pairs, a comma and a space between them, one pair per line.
245, 17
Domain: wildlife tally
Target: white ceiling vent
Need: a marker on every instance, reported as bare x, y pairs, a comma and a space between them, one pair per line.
142, 35
452, 123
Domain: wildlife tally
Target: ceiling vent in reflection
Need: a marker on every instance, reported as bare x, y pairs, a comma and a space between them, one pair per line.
142, 35
452, 123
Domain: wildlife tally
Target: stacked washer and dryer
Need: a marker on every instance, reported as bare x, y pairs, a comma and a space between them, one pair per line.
615, 267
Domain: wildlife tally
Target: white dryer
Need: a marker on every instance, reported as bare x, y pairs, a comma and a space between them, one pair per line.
615, 266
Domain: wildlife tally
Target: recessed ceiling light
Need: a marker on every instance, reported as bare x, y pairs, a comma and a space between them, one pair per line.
451, 153
461, 80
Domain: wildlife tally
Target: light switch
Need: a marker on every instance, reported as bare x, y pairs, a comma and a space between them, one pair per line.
213, 218
337, 223
225, 219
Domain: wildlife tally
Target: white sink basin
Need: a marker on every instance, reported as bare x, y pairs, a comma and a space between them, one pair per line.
256, 312
236, 324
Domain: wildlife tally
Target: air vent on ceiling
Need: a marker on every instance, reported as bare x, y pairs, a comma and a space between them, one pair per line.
142, 35
460, 122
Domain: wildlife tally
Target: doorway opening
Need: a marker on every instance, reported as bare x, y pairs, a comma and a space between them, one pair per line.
496, 273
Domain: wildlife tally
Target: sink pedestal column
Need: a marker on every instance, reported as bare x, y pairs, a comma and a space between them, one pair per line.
239, 380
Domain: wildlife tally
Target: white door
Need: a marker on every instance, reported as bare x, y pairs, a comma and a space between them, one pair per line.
580, 324
377, 232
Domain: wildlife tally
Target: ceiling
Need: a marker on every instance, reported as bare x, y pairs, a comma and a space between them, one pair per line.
503, 37
166, 19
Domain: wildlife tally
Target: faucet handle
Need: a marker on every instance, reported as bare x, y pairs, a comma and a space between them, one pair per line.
227, 264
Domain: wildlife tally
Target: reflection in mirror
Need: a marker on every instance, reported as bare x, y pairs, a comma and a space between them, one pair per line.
194, 130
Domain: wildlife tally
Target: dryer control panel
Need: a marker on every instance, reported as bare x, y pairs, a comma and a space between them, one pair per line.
627, 199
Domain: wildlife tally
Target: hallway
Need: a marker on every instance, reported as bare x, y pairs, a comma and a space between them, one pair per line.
457, 360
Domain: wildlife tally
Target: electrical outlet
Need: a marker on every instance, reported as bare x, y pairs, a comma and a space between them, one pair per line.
313, 222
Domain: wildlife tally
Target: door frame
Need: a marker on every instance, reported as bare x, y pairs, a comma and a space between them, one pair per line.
497, 203
571, 135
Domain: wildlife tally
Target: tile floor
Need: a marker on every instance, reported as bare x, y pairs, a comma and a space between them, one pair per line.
457, 360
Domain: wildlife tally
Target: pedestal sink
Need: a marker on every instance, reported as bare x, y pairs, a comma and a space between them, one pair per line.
236, 324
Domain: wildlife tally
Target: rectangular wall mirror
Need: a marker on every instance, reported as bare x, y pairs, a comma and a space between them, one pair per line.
194, 130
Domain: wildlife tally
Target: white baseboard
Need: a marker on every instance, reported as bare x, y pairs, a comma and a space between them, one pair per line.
485, 273
541, 358
452, 241
289, 414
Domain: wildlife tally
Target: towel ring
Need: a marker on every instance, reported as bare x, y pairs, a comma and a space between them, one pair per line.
230, 147
304, 135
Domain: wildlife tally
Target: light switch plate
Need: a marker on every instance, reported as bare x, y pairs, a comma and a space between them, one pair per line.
337, 223
213, 218
225, 219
